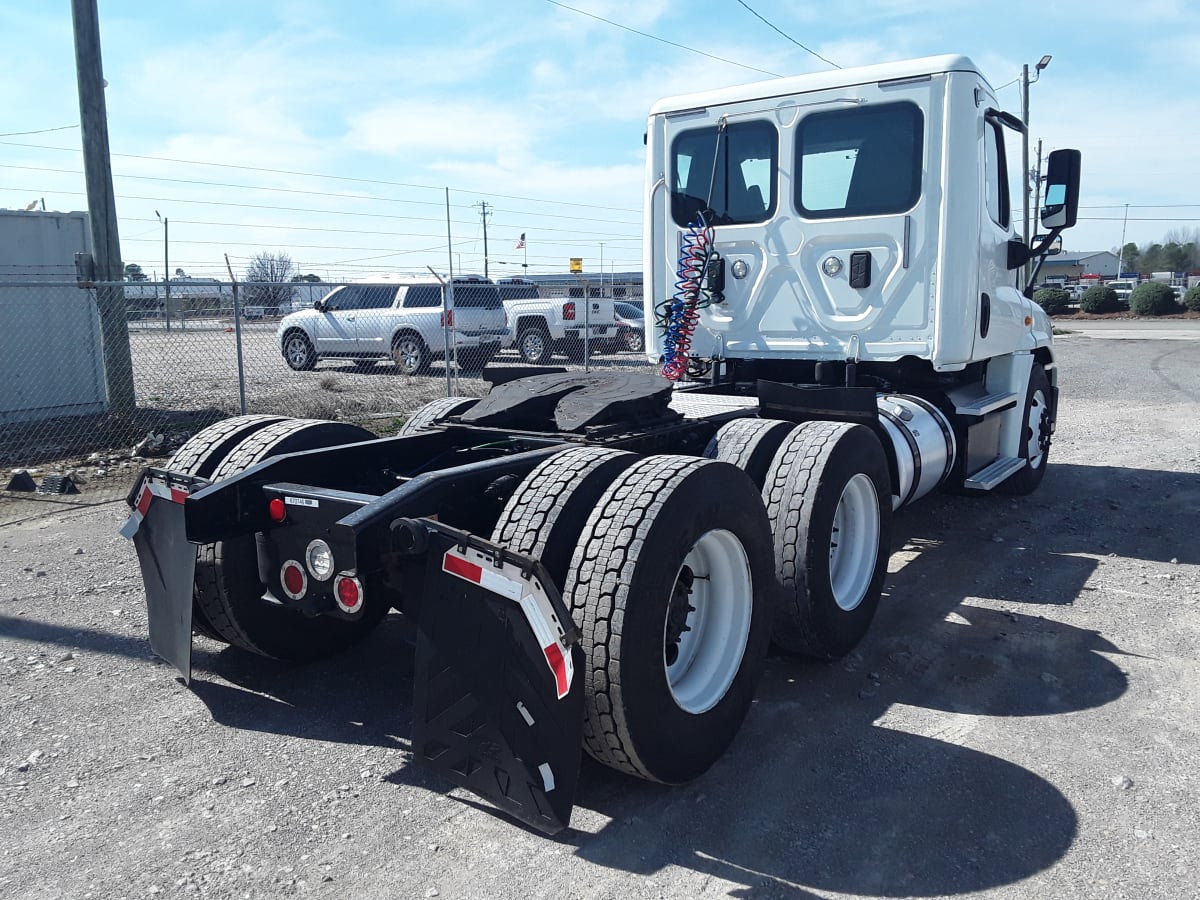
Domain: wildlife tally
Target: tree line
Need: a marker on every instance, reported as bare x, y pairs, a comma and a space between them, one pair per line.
1179, 251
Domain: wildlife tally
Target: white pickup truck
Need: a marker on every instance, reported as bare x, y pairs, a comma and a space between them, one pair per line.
542, 325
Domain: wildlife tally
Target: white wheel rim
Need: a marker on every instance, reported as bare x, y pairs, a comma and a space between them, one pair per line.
1033, 446
854, 542
710, 653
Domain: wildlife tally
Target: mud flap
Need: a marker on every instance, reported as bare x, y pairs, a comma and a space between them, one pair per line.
168, 564
498, 706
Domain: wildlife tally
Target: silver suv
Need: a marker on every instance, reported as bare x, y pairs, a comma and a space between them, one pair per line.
401, 318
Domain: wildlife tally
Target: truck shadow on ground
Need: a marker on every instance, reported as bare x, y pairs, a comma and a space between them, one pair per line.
852, 776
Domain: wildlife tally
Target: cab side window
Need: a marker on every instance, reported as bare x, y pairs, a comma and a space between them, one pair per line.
995, 173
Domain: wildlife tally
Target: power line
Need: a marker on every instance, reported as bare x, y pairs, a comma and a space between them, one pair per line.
788, 36
654, 37
39, 131
423, 187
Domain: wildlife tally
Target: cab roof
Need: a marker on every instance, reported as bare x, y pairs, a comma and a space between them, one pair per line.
819, 81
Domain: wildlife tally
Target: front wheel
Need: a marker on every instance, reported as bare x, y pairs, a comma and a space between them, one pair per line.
670, 585
298, 351
1035, 436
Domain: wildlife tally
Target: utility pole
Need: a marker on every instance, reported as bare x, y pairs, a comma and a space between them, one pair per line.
167, 273
102, 210
483, 214
1121, 252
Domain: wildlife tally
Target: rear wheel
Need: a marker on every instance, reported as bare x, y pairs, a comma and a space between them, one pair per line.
201, 455
669, 586
533, 344
228, 589
428, 415
828, 497
410, 354
635, 340
546, 514
1035, 436
749, 444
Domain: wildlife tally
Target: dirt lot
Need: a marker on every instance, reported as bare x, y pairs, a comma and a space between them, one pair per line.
1021, 722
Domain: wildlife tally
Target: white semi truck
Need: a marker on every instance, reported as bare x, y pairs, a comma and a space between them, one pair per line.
601, 560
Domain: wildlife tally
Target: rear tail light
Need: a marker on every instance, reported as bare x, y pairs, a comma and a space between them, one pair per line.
276, 510
448, 319
348, 592
293, 579
568, 312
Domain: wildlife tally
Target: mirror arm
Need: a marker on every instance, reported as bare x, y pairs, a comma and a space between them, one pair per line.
1040, 253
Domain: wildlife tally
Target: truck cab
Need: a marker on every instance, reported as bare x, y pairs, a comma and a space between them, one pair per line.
868, 218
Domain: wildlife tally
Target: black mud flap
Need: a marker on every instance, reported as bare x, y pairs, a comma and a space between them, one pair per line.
168, 564
498, 687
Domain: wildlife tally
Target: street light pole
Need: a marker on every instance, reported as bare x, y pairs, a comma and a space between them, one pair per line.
1025, 82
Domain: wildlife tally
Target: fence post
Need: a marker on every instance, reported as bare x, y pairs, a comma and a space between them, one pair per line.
237, 336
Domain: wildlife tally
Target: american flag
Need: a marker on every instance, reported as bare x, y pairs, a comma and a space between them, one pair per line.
520, 242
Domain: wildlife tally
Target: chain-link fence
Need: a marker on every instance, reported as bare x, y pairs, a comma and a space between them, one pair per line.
200, 351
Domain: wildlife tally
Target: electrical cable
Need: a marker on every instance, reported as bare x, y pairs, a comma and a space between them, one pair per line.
788, 36
655, 37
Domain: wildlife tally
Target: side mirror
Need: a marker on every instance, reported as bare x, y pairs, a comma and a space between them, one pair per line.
1055, 247
319, 305
1062, 189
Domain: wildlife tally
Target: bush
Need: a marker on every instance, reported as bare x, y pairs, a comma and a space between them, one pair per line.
1153, 299
1053, 300
1099, 299
1192, 298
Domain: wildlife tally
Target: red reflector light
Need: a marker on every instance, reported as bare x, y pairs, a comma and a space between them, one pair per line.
293, 579
568, 312
277, 510
448, 319
349, 593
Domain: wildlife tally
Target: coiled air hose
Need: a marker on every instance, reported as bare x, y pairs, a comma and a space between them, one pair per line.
679, 315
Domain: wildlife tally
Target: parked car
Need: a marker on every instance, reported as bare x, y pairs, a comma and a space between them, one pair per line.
631, 325
1123, 288
397, 317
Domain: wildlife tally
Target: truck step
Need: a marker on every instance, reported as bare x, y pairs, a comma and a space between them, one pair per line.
991, 475
982, 406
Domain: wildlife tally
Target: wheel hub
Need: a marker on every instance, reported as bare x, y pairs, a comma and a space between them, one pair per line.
677, 613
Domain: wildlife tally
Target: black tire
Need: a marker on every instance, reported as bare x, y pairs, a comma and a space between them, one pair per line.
819, 541
200, 455
410, 354
533, 345
546, 515
426, 416
635, 340
298, 351
227, 586
624, 587
749, 444
1035, 448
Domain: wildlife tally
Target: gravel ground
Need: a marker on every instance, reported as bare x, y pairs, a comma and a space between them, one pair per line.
1021, 721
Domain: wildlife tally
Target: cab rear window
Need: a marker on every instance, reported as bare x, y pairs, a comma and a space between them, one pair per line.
865, 161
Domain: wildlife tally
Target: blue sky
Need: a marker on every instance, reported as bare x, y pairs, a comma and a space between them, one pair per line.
349, 121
